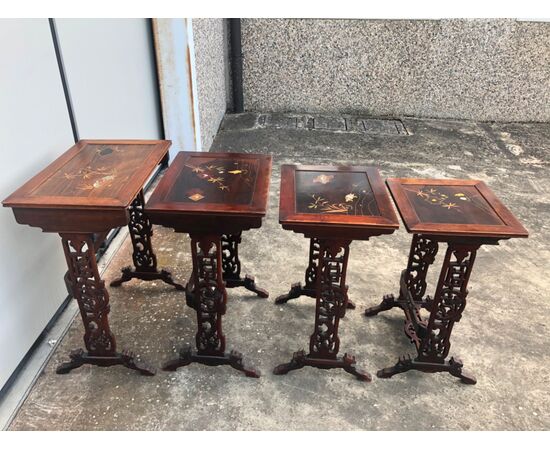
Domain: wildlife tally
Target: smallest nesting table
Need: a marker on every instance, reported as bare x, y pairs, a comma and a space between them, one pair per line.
332, 206
465, 214
214, 197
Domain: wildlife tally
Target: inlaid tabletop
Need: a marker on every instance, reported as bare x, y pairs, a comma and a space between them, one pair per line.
92, 173
335, 195
214, 183
453, 207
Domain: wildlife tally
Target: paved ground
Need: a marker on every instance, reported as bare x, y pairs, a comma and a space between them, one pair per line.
502, 338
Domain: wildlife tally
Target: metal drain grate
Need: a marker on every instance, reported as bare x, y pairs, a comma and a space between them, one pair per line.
337, 124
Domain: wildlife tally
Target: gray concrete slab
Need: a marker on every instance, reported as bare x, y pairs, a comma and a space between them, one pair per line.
502, 337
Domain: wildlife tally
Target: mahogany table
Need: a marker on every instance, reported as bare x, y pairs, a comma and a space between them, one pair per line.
213, 197
92, 188
332, 206
465, 214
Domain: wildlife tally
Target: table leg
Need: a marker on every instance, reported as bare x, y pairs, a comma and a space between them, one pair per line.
309, 290
231, 270
143, 256
433, 338
331, 303
231, 266
421, 256
211, 298
93, 300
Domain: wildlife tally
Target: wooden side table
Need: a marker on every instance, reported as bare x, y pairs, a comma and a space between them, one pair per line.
92, 188
331, 206
214, 197
465, 214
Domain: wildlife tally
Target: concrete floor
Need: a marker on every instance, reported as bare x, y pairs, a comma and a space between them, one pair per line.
502, 338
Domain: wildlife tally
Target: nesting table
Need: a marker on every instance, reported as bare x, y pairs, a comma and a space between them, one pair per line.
92, 188
213, 197
464, 214
331, 205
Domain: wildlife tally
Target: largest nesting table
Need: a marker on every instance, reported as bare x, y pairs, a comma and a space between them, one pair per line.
93, 187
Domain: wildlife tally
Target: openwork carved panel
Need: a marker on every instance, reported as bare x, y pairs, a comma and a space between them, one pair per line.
141, 231
332, 297
231, 265
311, 271
421, 256
449, 301
209, 290
90, 293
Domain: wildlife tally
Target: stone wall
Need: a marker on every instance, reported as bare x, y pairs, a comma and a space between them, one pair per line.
463, 69
211, 62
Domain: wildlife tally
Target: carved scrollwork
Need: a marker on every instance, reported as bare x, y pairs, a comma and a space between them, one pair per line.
449, 301
311, 271
231, 264
421, 256
332, 300
209, 290
141, 230
90, 293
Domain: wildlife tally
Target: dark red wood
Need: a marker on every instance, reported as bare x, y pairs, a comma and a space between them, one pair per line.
347, 202
143, 256
453, 208
478, 219
82, 195
309, 288
213, 197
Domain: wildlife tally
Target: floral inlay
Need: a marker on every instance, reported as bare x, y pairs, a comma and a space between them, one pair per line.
104, 177
435, 197
219, 174
354, 203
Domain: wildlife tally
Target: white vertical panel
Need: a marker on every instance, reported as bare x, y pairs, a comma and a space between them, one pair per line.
111, 76
177, 78
35, 130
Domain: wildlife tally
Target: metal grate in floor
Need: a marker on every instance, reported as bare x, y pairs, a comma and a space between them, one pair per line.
341, 124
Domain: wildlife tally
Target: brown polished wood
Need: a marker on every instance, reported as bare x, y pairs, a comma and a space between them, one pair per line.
214, 197
465, 214
82, 195
453, 208
331, 205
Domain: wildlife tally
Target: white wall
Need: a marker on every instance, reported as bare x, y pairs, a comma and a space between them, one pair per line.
111, 76
110, 73
35, 129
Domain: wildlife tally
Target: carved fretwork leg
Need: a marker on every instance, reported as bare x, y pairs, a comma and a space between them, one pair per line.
433, 337
413, 278
309, 288
231, 266
93, 300
145, 260
231, 270
210, 298
331, 295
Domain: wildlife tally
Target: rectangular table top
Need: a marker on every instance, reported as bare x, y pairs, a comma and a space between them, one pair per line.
453, 208
92, 174
339, 197
204, 183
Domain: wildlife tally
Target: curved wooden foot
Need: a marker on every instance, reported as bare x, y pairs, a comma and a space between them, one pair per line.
300, 360
296, 290
128, 274
126, 358
248, 282
456, 370
388, 302
454, 367
297, 362
233, 359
